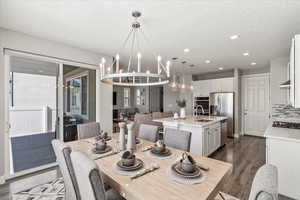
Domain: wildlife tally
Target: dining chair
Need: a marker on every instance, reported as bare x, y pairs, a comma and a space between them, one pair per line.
88, 130
177, 138
62, 152
264, 185
148, 132
89, 178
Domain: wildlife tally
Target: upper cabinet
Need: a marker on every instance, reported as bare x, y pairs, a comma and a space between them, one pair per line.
294, 69
204, 87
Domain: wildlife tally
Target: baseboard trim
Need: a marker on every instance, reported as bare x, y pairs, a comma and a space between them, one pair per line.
2, 180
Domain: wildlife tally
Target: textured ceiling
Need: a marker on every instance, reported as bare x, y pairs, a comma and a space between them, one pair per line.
265, 27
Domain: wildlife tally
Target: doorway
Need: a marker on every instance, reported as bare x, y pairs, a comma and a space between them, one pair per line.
46, 98
32, 111
255, 104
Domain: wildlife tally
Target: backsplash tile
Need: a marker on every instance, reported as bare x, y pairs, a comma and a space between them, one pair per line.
285, 113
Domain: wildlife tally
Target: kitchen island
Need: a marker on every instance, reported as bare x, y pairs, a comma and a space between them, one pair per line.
206, 132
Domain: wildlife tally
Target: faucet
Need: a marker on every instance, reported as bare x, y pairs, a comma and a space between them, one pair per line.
202, 110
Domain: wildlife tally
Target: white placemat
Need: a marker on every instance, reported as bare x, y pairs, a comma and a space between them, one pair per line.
187, 181
126, 173
159, 157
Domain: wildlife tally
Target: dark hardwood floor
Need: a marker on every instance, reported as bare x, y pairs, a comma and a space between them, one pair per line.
247, 154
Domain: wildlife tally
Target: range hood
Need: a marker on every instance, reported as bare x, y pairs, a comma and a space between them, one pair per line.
286, 84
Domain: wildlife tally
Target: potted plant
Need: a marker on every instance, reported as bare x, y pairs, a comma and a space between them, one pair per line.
181, 104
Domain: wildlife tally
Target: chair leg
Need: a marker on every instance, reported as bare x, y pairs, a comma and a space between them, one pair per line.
221, 195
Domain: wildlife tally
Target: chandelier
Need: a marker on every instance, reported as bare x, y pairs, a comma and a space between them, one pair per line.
133, 75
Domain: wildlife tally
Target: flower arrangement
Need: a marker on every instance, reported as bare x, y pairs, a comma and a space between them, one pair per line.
181, 103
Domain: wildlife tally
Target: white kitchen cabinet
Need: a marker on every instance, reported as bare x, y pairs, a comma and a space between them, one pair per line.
204, 87
284, 154
226, 84
212, 137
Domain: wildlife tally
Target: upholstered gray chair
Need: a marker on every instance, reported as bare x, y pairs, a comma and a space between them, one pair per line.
148, 132
88, 130
177, 139
264, 185
62, 152
90, 182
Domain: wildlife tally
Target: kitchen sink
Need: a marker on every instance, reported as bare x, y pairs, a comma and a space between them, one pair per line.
203, 120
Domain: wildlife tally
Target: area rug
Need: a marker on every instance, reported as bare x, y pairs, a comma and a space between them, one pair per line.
54, 190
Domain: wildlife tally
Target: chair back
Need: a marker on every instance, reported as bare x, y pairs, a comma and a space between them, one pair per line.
88, 130
177, 138
62, 152
265, 184
148, 132
89, 178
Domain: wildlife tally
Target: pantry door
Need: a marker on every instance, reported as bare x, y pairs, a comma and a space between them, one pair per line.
255, 104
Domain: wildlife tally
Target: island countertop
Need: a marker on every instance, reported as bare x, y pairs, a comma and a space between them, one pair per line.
191, 120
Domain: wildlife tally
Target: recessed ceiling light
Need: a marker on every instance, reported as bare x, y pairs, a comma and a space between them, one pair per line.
234, 37
207, 61
186, 50
220, 68
253, 63
246, 54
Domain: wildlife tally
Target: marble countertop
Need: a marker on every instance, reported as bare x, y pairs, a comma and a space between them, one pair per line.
283, 133
191, 120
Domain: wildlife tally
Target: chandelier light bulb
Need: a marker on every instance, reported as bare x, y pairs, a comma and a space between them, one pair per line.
139, 55
147, 72
117, 57
103, 60
183, 86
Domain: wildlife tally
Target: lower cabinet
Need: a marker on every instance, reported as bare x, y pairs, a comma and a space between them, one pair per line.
284, 154
212, 138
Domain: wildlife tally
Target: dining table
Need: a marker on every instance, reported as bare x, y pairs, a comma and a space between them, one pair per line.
156, 184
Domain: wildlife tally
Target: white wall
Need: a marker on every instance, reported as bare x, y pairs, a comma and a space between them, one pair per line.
19, 41
278, 75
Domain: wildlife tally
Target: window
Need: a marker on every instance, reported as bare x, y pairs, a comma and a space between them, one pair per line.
77, 95
126, 97
138, 97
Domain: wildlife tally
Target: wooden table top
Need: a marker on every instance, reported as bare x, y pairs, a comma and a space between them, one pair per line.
157, 185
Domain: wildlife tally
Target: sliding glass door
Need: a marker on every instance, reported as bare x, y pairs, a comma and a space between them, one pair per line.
46, 99
79, 99
32, 111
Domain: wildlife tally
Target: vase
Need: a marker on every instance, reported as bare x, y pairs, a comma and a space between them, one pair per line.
182, 113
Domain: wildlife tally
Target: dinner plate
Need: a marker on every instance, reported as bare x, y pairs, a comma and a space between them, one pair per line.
179, 171
166, 152
97, 151
138, 164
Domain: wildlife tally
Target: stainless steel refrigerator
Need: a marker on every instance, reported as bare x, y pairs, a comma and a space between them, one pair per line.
222, 104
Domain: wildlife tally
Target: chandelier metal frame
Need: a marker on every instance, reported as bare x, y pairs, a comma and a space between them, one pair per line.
116, 76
